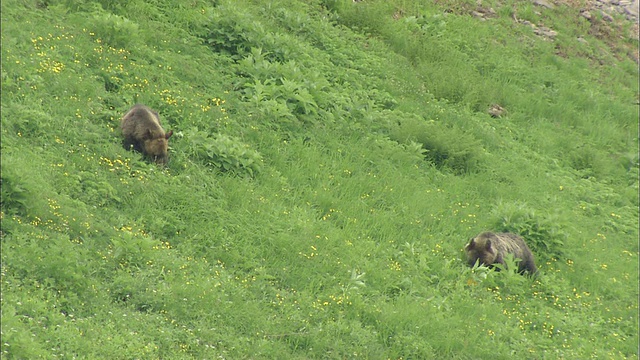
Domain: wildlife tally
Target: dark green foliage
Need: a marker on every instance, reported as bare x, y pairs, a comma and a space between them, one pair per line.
231, 31
14, 197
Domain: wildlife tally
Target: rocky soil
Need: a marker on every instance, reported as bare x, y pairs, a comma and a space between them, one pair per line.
608, 8
606, 18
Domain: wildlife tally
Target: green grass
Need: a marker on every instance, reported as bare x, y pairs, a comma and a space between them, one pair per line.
330, 161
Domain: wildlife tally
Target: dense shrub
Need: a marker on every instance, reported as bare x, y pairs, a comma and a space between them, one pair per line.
543, 233
13, 200
223, 152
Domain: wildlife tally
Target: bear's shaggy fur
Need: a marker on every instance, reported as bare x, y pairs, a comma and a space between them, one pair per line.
490, 248
142, 132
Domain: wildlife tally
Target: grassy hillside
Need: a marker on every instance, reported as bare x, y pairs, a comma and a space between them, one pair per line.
330, 160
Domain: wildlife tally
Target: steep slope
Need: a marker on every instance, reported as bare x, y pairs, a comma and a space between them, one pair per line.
329, 161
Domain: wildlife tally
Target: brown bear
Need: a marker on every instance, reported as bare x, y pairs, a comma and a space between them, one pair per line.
142, 132
490, 248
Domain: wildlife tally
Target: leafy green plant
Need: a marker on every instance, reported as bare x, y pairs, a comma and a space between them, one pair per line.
223, 152
14, 199
29, 121
505, 275
115, 30
542, 233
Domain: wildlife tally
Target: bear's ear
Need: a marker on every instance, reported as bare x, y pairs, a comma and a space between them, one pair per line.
168, 135
471, 244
